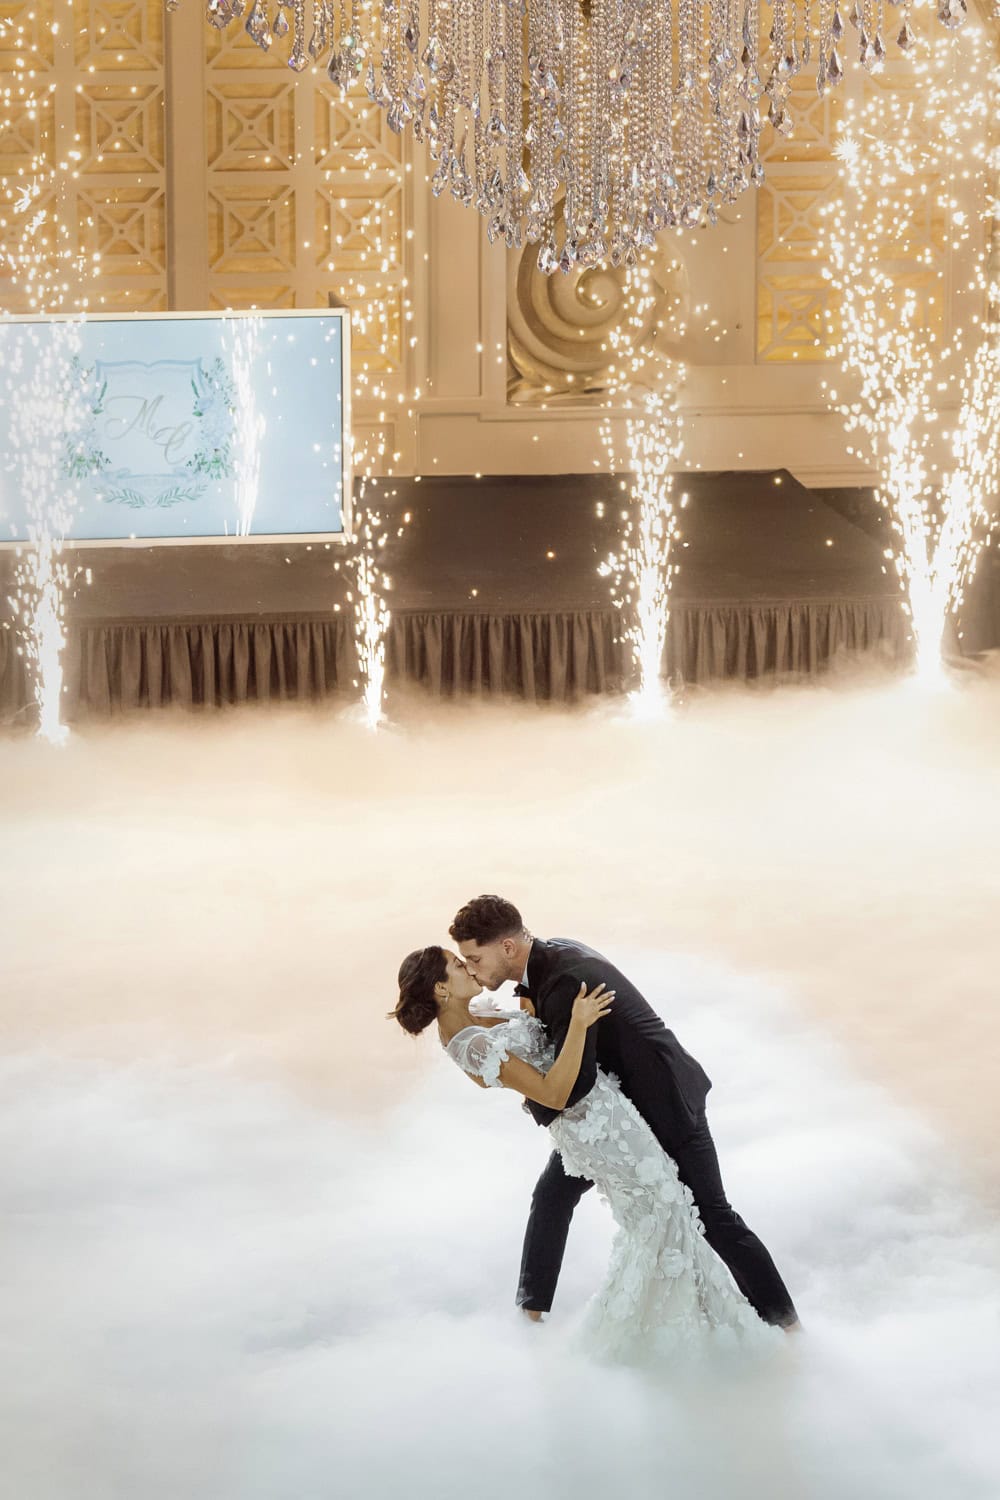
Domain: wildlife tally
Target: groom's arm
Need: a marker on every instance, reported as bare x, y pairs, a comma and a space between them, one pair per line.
558, 1011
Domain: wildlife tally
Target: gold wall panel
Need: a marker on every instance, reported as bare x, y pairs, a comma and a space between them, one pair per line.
794, 305
283, 194
306, 196
128, 227
106, 118
252, 230
33, 19
113, 35
251, 125
119, 128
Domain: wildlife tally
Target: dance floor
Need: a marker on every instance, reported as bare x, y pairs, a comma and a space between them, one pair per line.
260, 1244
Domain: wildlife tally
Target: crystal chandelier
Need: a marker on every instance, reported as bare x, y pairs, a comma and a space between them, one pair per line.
585, 126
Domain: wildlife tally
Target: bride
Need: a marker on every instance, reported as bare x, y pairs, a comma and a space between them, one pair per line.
665, 1285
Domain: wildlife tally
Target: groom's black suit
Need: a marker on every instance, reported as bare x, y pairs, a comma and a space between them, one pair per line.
668, 1088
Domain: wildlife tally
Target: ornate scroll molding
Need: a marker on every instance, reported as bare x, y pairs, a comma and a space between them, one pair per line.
559, 327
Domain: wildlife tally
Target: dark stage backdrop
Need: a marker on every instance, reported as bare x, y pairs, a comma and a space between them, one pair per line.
495, 590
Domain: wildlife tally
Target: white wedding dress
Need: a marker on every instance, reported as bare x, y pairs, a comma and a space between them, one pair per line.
665, 1286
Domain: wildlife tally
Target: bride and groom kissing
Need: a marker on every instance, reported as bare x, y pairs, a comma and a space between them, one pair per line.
624, 1104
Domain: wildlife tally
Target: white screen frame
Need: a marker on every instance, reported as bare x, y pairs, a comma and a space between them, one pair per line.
308, 538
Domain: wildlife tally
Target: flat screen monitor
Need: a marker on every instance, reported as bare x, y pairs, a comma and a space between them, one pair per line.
175, 427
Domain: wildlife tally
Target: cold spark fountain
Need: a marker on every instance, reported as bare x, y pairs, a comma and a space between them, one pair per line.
371, 613
646, 384
45, 394
917, 164
242, 338
44, 270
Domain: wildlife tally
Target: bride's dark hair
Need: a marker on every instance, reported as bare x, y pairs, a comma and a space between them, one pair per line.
418, 974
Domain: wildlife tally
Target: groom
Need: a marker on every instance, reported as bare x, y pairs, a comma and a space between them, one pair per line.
663, 1081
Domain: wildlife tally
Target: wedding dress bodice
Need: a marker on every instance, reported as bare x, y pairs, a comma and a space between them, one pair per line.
484, 1049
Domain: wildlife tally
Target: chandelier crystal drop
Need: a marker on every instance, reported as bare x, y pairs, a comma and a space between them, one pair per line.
612, 119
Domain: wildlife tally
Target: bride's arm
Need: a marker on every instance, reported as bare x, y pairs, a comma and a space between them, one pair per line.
552, 1089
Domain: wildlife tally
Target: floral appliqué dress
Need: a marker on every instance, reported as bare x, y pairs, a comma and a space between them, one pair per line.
665, 1286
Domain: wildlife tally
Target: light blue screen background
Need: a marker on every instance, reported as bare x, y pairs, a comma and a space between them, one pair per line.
162, 453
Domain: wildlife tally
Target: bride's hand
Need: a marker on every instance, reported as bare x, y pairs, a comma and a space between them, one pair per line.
592, 1005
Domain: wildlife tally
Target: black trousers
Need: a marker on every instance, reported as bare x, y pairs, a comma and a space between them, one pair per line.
556, 1196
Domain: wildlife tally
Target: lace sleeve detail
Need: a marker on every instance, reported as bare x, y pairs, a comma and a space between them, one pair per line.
482, 1051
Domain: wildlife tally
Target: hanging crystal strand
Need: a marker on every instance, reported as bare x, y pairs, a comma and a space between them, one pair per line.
563, 70
318, 39
495, 129
449, 72
280, 26
336, 24
461, 101
408, 103
834, 66
952, 13
416, 83
751, 89
618, 79
726, 168
716, 87
518, 183
793, 52
865, 23
430, 57
536, 208
569, 14
632, 66
391, 64
665, 137
257, 27
735, 175
477, 101
378, 87
534, 220
878, 38
597, 247
643, 234
823, 43
906, 40
783, 67
692, 125
298, 59
720, 59
354, 46
777, 43
545, 146
739, 164
389, 95
580, 225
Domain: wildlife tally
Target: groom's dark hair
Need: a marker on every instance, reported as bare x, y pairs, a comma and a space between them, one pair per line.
486, 919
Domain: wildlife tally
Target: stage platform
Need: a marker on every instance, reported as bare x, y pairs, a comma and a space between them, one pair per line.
495, 590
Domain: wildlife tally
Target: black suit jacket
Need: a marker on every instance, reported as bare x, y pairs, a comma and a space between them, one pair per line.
665, 1083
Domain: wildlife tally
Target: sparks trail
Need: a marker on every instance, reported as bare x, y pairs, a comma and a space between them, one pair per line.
919, 178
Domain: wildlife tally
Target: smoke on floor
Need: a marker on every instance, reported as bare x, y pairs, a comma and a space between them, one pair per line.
260, 1243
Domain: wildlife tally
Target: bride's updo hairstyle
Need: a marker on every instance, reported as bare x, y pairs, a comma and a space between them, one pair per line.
418, 974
